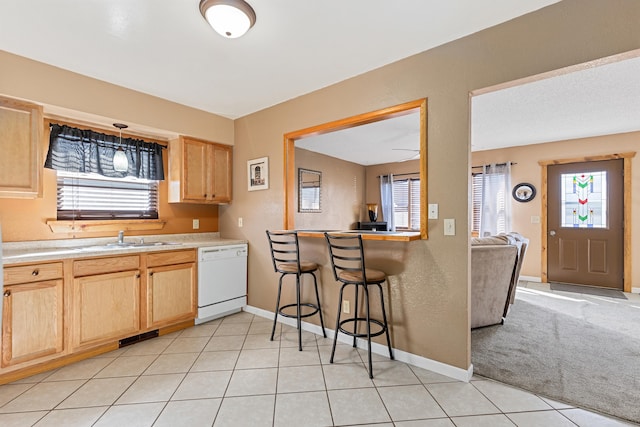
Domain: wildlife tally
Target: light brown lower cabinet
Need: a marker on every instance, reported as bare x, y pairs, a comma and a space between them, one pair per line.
61, 311
32, 321
106, 307
172, 295
171, 288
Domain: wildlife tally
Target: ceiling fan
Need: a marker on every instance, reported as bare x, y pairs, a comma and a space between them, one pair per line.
414, 157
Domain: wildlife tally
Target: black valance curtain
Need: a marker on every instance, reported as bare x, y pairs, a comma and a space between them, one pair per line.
86, 151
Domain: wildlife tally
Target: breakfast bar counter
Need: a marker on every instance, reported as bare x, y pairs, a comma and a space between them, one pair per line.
392, 236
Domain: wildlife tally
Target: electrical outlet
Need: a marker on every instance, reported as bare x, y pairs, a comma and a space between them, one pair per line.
240, 222
196, 224
345, 306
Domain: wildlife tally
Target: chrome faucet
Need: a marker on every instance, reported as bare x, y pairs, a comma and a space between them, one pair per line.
121, 237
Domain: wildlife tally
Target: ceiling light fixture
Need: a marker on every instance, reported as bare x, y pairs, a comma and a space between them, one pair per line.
120, 161
229, 18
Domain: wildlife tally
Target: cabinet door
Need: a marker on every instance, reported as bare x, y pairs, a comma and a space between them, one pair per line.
199, 171
195, 156
221, 173
32, 321
106, 307
20, 142
171, 294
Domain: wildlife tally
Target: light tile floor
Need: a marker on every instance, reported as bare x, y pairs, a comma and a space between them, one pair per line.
228, 373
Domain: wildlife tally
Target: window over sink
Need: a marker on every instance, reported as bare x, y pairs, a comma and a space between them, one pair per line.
91, 186
91, 196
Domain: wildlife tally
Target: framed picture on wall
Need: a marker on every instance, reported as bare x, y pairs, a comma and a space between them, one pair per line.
258, 174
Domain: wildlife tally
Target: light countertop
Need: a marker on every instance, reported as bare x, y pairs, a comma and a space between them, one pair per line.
397, 236
49, 250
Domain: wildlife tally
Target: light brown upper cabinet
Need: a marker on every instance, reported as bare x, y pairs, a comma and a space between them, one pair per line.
20, 143
199, 171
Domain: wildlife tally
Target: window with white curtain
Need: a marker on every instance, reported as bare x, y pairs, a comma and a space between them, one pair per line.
495, 214
406, 203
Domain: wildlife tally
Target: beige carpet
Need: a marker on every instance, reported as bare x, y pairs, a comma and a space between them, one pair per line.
577, 348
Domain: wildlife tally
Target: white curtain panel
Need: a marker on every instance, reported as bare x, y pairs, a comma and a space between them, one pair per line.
386, 198
496, 204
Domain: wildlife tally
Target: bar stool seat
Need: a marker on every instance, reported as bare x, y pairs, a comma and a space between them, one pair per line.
356, 276
292, 267
285, 255
348, 264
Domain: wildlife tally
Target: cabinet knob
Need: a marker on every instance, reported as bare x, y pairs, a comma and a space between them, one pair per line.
35, 272
7, 293
151, 274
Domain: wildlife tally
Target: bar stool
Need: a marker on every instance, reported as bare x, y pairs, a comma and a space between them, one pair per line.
347, 260
285, 254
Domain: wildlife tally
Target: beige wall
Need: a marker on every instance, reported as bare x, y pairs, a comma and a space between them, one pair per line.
341, 196
528, 170
85, 99
429, 289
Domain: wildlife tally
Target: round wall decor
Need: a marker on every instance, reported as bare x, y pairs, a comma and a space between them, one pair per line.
524, 192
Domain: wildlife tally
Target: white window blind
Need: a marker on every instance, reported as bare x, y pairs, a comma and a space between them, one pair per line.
406, 203
88, 196
476, 202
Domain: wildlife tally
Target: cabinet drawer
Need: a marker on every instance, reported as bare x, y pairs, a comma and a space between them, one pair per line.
32, 273
87, 267
171, 257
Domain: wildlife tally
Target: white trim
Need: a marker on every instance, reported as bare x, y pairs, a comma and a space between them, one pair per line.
402, 356
635, 290
531, 279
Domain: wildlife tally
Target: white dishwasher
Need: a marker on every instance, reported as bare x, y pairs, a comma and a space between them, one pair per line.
222, 281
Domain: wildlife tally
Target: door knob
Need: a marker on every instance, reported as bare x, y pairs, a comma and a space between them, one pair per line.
552, 233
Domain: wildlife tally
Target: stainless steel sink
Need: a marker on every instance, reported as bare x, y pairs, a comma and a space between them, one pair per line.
151, 244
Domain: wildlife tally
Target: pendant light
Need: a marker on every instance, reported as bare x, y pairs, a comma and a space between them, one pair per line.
229, 18
120, 161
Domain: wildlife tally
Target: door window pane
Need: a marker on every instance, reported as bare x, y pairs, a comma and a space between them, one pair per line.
584, 200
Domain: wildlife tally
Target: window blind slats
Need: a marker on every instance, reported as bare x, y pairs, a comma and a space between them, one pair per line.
476, 202
406, 201
80, 197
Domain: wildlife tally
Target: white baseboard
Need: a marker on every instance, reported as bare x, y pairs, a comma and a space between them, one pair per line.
531, 279
402, 356
635, 290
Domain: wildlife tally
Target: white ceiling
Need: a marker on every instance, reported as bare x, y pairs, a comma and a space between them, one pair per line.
601, 98
165, 47
387, 141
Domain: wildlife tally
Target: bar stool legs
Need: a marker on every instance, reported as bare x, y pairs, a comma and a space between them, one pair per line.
298, 305
368, 321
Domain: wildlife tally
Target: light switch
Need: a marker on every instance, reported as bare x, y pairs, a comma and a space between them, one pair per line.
240, 223
535, 219
449, 227
433, 211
